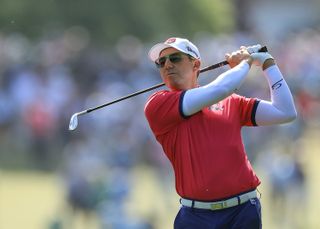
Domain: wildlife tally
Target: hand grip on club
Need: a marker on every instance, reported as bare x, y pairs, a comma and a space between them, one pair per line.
222, 63
74, 119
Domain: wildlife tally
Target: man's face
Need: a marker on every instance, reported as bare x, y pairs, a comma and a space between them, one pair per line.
181, 75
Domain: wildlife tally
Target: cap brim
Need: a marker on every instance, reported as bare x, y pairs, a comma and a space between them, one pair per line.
156, 50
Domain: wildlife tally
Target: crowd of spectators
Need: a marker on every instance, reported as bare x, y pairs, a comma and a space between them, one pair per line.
43, 82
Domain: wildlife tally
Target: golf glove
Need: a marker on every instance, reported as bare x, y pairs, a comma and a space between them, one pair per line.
253, 48
258, 57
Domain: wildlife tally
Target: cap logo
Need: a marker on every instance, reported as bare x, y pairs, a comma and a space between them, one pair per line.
191, 50
170, 41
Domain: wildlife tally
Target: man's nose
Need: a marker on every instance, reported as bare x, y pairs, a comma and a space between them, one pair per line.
168, 63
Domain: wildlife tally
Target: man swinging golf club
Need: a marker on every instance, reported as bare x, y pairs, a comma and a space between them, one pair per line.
199, 128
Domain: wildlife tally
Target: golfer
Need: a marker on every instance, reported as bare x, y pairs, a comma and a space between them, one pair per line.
199, 129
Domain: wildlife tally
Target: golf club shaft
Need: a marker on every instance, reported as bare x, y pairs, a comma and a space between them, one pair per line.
220, 64
211, 67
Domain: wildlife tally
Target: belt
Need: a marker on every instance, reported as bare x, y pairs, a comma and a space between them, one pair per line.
218, 205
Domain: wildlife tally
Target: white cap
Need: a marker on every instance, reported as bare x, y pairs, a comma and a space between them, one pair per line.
180, 44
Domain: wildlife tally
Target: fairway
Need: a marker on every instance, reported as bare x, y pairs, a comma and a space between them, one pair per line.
28, 200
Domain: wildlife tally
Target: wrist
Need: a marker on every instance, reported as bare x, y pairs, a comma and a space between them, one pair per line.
268, 63
249, 60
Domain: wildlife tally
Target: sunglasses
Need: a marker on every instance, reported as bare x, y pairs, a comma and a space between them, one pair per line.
174, 58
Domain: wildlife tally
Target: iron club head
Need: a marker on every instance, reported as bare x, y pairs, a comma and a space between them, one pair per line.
74, 120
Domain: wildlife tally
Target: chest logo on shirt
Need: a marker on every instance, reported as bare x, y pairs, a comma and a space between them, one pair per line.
216, 107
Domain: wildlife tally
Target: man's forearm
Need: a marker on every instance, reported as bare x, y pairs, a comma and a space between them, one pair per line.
281, 108
196, 99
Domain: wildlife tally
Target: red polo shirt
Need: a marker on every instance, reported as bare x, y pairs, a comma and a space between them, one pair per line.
205, 149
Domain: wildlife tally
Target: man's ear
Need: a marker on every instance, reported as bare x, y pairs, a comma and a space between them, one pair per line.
196, 65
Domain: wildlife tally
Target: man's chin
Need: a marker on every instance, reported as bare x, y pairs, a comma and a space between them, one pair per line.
176, 87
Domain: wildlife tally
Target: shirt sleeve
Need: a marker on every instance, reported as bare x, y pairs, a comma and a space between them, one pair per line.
163, 111
224, 85
247, 109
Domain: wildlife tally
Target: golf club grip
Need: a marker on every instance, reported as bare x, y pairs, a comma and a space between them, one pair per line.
214, 66
223, 63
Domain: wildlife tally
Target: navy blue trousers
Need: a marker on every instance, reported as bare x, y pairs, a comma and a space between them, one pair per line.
244, 216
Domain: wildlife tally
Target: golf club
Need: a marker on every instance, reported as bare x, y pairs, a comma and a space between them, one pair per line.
74, 118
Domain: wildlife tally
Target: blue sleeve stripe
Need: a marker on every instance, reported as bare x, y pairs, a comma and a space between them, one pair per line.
180, 105
253, 113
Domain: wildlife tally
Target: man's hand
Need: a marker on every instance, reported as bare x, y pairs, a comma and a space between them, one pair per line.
263, 59
236, 57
